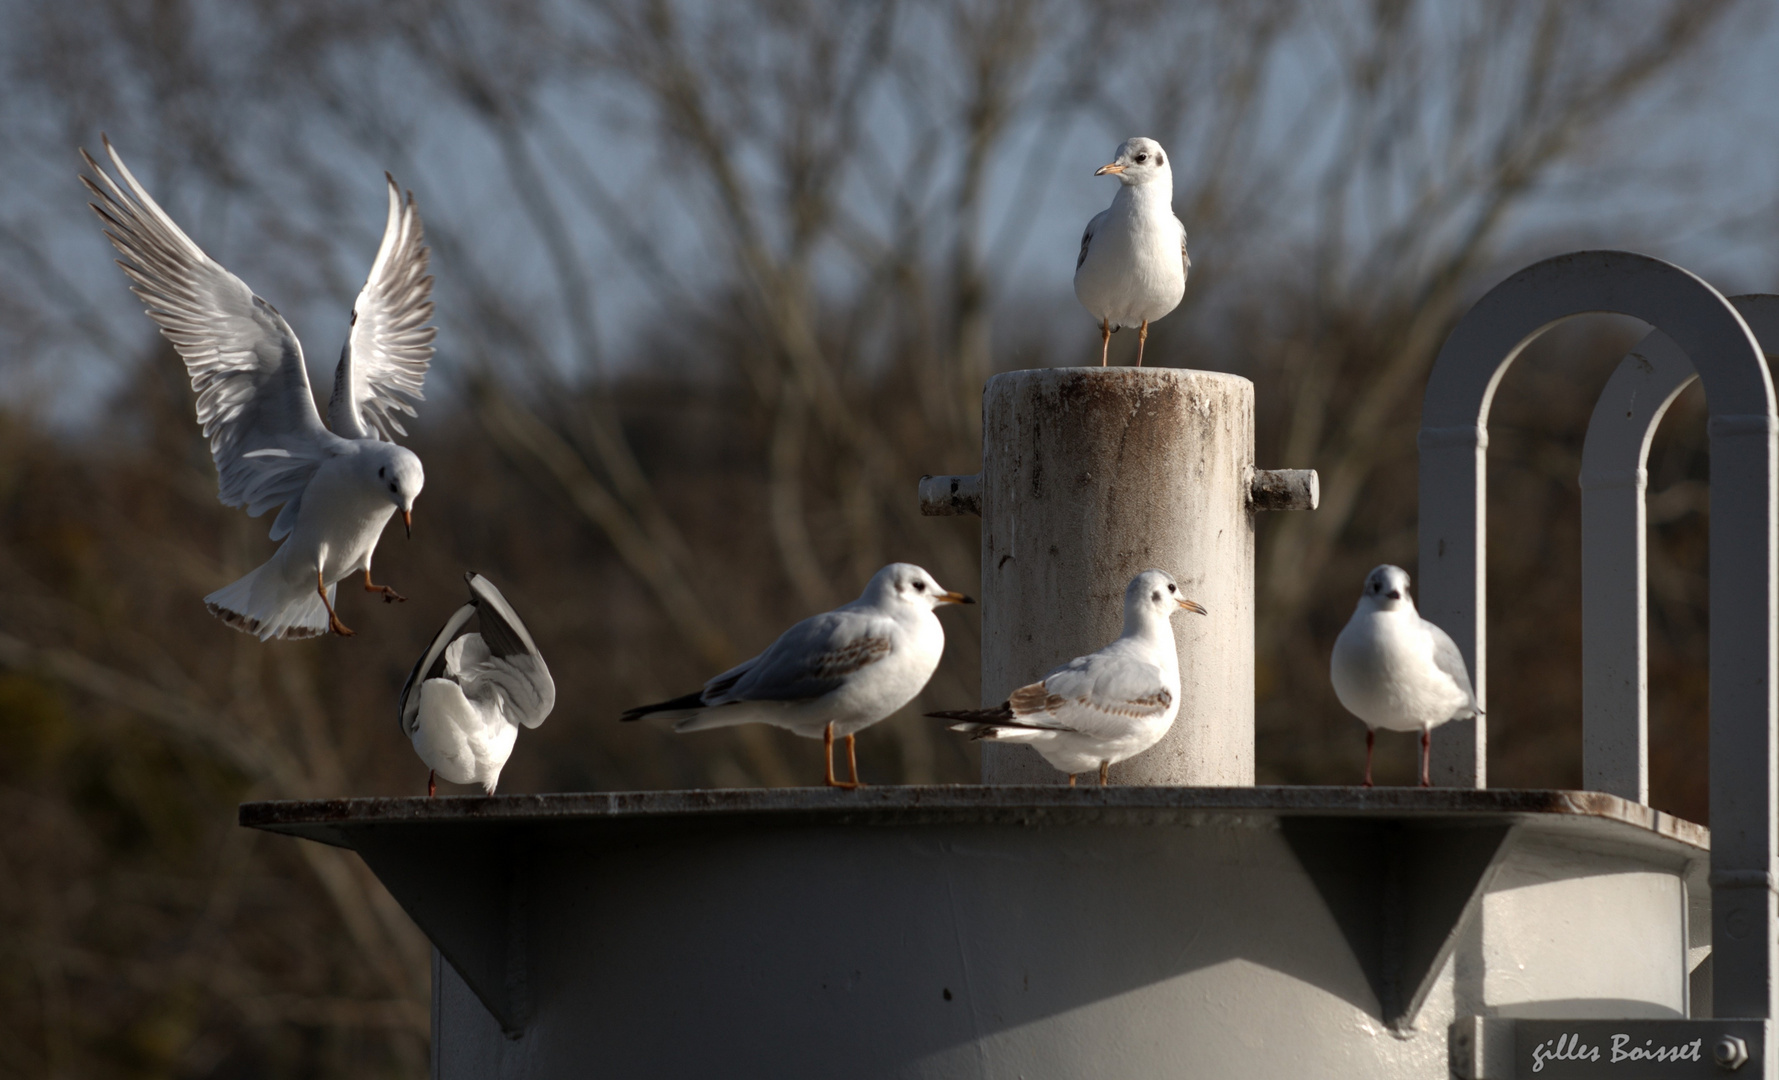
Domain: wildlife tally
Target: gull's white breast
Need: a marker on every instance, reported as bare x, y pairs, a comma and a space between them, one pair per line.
1384, 672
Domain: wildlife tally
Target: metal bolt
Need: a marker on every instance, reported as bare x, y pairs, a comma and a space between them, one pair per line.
1729, 1052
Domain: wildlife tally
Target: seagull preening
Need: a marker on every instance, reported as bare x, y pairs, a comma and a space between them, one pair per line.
1133, 262
338, 488
1098, 709
1395, 670
833, 674
467, 696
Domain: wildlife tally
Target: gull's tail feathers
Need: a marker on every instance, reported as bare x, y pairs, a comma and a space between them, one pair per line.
262, 605
996, 724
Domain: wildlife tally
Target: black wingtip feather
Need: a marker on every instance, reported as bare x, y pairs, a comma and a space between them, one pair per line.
693, 700
999, 714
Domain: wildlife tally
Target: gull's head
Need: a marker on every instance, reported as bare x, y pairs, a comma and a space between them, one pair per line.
1139, 161
906, 583
397, 473
1386, 589
1155, 594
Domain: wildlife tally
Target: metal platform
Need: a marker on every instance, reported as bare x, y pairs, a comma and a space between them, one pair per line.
1008, 931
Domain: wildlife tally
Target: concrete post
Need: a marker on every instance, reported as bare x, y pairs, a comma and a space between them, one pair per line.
1091, 475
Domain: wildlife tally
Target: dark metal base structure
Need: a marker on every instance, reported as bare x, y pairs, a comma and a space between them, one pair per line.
1023, 931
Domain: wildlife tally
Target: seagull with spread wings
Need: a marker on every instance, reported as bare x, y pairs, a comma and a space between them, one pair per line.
832, 674
468, 695
338, 488
1096, 710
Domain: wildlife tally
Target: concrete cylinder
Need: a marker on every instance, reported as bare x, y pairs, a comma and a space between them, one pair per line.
1090, 476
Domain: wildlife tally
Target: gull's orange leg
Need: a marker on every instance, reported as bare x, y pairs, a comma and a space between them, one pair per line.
1105, 339
852, 762
828, 755
1370, 741
389, 594
333, 620
1142, 339
432, 784
1426, 756
1105, 768
1071, 779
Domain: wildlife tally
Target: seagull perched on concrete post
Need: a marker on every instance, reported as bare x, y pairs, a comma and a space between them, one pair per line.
833, 674
1133, 262
1395, 670
1099, 709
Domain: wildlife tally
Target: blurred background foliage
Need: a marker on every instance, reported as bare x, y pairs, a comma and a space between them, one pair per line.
717, 283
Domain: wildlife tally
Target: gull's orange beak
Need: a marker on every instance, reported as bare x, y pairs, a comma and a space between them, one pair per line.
1113, 168
954, 598
1192, 605
408, 522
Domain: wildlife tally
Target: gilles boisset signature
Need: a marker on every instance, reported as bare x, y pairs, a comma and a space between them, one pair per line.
1571, 1048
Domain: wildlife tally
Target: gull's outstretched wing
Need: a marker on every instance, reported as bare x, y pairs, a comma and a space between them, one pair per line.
254, 401
510, 663
383, 365
431, 665
810, 659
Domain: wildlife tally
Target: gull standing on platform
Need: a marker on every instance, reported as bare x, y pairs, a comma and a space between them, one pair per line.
338, 488
1096, 710
464, 701
1133, 262
831, 674
1395, 670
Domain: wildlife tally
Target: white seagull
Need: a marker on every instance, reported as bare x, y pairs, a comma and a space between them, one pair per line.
464, 701
1098, 709
831, 674
338, 488
1133, 262
1395, 670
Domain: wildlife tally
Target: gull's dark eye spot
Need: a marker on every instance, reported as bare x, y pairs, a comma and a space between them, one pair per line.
381, 469
920, 586
391, 487
1157, 596
1171, 588
1142, 158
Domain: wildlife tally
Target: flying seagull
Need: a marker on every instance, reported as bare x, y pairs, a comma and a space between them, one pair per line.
467, 696
1098, 709
338, 488
833, 674
1133, 262
1395, 670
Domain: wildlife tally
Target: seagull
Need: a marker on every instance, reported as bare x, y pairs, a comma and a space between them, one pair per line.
465, 699
1128, 272
831, 674
1106, 706
1393, 669
338, 488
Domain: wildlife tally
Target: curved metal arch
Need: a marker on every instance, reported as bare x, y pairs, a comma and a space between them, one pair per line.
1744, 673
1614, 539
